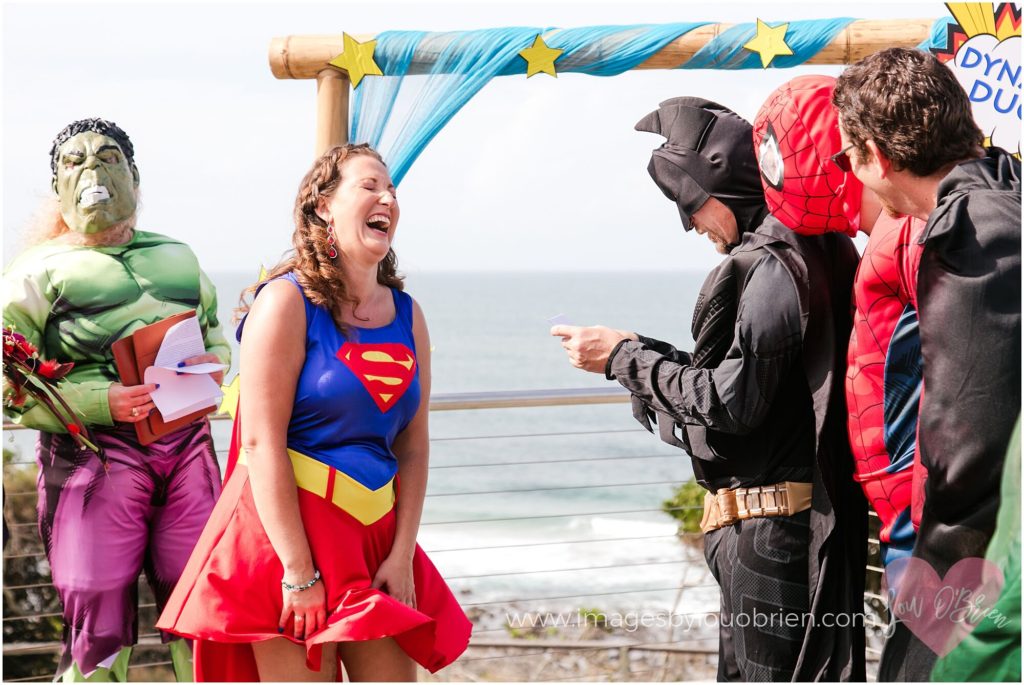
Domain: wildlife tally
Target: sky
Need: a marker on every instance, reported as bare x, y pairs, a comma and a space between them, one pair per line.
533, 174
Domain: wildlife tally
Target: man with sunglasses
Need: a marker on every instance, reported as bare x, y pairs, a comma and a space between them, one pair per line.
758, 405
908, 134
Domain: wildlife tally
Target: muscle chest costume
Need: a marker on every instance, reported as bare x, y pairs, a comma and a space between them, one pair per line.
884, 380
73, 302
757, 402
353, 398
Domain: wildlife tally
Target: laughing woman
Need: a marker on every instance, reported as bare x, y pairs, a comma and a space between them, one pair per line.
310, 560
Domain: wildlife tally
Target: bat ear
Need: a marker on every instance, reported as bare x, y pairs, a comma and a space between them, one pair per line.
682, 124
650, 123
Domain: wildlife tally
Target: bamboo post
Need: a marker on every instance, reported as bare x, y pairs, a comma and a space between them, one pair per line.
304, 57
331, 109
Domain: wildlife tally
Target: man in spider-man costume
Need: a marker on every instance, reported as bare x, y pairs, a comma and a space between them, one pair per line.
884, 371
907, 127
758, 405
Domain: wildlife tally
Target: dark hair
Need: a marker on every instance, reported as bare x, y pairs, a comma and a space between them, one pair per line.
911, 105
319, 275
101, 126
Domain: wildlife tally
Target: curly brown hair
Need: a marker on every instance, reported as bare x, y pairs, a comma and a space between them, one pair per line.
911, 106
321, 277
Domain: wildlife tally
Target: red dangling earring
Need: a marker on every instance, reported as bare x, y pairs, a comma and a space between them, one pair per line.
331, 252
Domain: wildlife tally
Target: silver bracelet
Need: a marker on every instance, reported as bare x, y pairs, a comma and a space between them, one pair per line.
305, 586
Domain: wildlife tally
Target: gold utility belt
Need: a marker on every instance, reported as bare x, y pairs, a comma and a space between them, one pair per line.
726, 507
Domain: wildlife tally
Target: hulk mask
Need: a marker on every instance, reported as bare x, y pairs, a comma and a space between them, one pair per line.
95, 182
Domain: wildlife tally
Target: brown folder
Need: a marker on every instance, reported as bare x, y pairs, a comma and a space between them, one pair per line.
135, 353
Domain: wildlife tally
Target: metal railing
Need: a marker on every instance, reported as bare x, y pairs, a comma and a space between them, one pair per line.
498, 650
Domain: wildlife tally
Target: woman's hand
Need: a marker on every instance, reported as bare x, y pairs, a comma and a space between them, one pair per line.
396, 575
130, 404
207, 358
308, 607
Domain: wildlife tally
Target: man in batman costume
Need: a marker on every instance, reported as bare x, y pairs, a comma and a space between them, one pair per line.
759, 406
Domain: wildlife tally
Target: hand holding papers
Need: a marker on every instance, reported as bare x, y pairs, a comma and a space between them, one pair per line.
183, 389
136, 357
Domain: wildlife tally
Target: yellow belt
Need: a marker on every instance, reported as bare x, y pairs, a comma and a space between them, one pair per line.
365, 505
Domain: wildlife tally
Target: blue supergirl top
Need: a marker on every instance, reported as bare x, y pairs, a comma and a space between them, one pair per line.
355, 395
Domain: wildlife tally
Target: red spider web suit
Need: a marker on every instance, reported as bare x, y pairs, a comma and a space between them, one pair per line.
883, 378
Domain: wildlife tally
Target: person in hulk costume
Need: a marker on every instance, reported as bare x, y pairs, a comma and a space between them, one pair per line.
95, 280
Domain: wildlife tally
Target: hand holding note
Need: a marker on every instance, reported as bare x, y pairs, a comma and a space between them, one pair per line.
183, 371
589, 347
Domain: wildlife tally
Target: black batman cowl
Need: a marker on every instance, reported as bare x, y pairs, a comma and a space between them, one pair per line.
708, 152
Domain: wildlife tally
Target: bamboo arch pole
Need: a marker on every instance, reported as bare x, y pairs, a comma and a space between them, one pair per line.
331, 109
307, 57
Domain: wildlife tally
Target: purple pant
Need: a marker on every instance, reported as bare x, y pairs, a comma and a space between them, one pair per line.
101, 529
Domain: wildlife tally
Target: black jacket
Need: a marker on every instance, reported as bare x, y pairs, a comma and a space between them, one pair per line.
969, 286
761, 400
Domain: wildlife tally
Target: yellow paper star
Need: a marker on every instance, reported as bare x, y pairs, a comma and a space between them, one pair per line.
229, 403
357, 59
539, 57
769, 42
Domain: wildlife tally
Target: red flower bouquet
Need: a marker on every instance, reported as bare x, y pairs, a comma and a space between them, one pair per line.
27, 375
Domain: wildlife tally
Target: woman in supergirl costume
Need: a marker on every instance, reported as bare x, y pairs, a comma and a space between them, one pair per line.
309, 561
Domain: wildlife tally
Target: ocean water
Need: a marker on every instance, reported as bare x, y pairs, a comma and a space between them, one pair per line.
552, 508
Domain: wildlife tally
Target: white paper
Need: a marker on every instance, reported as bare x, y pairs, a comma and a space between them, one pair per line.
181, 394
183, 389
181, 341
559, 320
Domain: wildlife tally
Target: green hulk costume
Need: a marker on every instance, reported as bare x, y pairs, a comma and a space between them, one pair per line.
51, 287
72, 297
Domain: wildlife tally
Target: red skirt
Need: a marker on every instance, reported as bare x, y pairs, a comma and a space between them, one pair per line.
229, 595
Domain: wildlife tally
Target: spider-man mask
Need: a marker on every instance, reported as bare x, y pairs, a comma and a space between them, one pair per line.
795, 134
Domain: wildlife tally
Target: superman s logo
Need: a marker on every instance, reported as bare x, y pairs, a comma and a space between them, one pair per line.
385, 369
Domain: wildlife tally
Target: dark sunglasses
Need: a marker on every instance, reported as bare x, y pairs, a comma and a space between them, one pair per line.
842, 160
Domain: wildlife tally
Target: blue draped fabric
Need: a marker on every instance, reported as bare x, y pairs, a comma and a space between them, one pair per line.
804, 38
607, 50
375, 97
463, 62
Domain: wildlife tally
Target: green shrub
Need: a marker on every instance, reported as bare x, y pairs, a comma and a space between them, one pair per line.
686, 506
